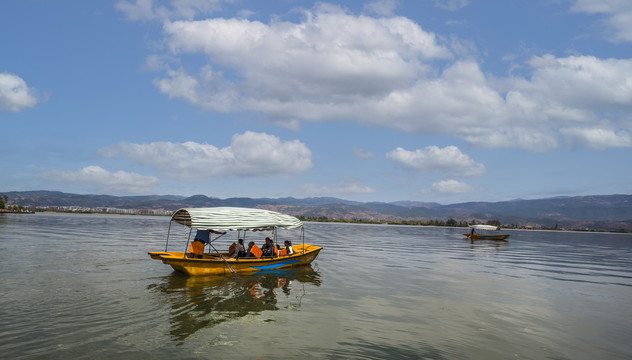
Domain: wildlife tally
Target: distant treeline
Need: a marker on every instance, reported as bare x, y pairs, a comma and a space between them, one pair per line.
434, 222
448, 223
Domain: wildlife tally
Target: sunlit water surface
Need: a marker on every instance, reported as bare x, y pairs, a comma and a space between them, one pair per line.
83, 287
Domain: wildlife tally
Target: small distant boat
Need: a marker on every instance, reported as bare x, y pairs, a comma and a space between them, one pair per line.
486, 235
220, 220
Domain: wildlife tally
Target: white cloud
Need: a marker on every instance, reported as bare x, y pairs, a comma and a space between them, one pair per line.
119, 182
618, 16
388, 71
598, 138
449, 187
15, 95
209, 90
578, 84
571, 92
250, 154
537, 138
312, 69
448, 161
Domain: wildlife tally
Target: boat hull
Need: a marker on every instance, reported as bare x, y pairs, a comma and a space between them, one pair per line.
486, 237
216, 264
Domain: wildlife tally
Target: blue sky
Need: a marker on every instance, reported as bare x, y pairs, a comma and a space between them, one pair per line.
429, 100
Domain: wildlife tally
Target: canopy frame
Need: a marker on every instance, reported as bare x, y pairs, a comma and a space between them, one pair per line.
233, 219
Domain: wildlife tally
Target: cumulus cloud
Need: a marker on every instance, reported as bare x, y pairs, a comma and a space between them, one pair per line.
15, 95
331, 60
450, 187
119, 182
617, 16
578, 85
598, 138
208, 90
388, 71
250, 154
448, 161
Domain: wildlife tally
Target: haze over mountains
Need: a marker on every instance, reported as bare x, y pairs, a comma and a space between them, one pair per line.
607, 212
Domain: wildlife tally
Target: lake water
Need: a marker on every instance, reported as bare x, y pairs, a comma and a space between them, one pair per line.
83, 287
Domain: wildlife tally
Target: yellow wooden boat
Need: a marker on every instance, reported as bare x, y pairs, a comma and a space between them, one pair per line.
486, 236
220, 220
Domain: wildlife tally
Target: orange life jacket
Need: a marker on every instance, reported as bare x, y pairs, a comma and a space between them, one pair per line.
256, 251
197, 248
282, 252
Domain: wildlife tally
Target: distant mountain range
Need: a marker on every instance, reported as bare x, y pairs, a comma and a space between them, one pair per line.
607, 212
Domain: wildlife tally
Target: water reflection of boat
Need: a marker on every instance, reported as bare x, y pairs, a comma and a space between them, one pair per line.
239, 220
216, 299
486, 234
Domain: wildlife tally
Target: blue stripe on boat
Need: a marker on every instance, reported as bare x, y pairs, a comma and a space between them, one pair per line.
276, 265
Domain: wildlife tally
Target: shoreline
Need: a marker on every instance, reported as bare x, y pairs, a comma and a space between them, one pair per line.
9, 211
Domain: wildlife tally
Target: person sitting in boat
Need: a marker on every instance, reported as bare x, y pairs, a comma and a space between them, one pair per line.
249, 252
237, 249
253, 251
288, 247
268, 248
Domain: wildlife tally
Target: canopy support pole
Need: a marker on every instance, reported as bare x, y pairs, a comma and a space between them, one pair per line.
168, 232
187, 245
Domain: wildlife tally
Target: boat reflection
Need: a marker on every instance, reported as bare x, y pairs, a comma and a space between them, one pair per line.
485, 243
205, 301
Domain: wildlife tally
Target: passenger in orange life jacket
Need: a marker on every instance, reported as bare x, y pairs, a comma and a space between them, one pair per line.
253, 251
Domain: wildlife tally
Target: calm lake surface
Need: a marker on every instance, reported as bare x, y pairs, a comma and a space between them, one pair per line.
83, 287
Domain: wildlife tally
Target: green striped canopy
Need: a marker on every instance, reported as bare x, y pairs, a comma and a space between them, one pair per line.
234, 218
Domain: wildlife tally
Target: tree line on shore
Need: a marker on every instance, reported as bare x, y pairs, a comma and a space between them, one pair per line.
432, 222
4, 207
446, 223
